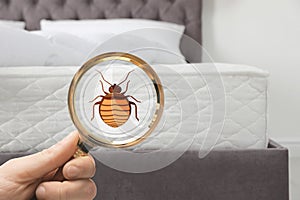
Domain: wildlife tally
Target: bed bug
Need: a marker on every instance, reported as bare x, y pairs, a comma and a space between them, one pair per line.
114, 107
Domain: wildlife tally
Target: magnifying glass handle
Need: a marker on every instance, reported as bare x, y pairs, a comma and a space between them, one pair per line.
82, 150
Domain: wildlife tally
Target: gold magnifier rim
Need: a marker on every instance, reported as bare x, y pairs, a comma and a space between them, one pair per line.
85, 134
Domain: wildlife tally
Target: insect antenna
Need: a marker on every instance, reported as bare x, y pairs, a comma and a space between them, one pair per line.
125, 78
104, 78
126, 87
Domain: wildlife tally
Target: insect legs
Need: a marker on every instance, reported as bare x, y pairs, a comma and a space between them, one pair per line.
133, 98
132, 103
96, 98
97, 103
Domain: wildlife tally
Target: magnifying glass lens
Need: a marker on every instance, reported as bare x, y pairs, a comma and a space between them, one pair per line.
115, 100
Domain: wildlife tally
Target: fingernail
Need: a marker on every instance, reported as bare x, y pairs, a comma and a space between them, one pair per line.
73, 171
41, 192
70, 135
64, 140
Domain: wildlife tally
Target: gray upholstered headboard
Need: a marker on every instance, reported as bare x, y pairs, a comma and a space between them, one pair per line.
186, 12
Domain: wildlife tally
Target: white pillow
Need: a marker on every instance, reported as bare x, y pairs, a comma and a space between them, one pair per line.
13, 24
165, 35
22, 48
69, 41
115, 26
151, 51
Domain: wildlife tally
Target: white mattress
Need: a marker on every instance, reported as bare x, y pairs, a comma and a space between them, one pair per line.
34, 113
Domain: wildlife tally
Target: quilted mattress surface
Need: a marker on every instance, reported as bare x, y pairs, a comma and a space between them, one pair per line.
34, 113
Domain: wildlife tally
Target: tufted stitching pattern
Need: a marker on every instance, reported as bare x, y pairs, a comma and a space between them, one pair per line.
183, 12
34, 113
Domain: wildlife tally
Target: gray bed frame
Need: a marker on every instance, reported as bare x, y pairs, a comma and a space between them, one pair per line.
257, 174
260, 174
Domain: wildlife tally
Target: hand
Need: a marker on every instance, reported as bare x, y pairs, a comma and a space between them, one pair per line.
39, 173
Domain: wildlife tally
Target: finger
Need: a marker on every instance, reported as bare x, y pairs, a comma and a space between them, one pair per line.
37, 165
67, 190
79, 168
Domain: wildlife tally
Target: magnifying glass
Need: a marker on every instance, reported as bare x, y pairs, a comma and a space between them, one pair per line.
103, 105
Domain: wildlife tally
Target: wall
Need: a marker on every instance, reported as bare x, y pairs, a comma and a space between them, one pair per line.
265, 34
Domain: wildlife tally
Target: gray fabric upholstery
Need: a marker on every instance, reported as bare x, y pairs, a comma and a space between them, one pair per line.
186, 12
222, 175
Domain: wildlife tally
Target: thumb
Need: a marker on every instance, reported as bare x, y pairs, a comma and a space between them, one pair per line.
38, 165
